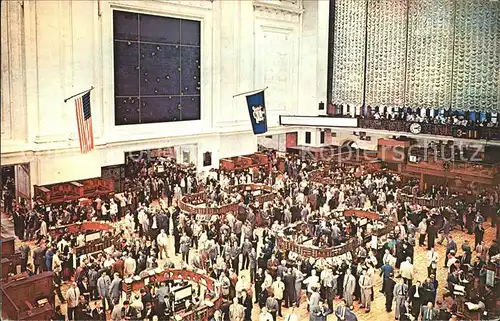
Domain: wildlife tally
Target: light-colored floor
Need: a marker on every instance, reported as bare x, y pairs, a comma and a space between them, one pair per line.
6, 225
378, 305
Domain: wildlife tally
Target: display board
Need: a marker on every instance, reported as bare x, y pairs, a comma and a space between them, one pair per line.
416, 53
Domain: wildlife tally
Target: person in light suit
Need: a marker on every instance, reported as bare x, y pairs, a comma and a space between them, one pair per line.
162, 242
129, 266
349, 287
429, 313
115, 289
236, 311
185, 245
319, 312
103, 284
299, 278
432, 261
117, 313
400, 291
72, 298
406, 270
366, 285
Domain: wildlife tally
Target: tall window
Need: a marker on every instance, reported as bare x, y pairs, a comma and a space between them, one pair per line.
322, 137
308, 137
157, 68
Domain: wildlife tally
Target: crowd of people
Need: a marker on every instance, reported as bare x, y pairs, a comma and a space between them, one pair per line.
446, 118
251, 270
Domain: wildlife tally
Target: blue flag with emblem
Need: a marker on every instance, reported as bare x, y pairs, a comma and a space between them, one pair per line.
257, 111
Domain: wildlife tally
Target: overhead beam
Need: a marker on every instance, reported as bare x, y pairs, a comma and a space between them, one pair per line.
318, 121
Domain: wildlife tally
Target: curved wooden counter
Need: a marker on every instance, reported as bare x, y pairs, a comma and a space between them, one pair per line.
321, 176
426, 201
314, 251
203, 313
82, 227
324, 252
267, 195
190, 203
96, 245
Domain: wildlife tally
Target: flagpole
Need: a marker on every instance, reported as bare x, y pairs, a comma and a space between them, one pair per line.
83, 92
251, 91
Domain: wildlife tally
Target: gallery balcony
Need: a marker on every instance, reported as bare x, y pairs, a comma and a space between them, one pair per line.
479, 132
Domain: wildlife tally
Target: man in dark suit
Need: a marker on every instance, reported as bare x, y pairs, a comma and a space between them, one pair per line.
389, 285
319, 312
98, 312
405, 312
451, 246
343, 313
38, 258
416, 293
429, 313
246, 302
148, 311
57, 286
25, 254
259, 279
289, 280
129, 312
59, 316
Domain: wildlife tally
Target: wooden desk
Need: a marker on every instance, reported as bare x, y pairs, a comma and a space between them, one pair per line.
361, 213
88, 227
16, 293
10, 258
7, 246
7, 267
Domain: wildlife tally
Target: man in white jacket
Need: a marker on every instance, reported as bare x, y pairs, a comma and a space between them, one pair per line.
432, 262
162, 240
113, 210
129, 266
72, 298
406, 271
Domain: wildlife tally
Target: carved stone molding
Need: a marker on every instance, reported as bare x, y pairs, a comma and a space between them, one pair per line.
281, 10
202, 4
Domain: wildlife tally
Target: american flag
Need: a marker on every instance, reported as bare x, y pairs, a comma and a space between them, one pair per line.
84, 122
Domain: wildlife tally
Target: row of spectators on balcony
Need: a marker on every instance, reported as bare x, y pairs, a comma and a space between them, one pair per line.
425, 115
453, 118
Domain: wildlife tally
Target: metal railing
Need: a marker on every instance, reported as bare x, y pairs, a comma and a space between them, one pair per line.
477, 132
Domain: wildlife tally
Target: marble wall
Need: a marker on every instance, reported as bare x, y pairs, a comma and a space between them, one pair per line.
54, 49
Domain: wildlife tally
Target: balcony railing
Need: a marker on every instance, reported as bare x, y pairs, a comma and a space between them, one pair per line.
488, 133
458, 168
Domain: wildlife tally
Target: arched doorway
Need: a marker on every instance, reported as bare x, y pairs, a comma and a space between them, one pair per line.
349, 145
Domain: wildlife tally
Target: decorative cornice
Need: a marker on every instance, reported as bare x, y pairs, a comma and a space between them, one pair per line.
278, 11
202, 4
